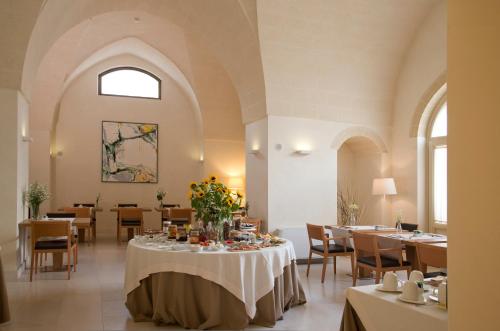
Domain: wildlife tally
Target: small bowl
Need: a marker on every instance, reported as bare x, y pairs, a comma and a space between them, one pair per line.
196, 248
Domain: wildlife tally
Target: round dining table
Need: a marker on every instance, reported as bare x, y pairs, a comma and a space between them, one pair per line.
169, 284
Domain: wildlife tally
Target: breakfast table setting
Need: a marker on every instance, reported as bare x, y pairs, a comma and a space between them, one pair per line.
223, 284
416, 304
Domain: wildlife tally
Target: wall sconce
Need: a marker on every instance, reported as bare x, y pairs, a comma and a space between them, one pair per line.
27, 139
202, 158
254, 151
302, 151
56, 154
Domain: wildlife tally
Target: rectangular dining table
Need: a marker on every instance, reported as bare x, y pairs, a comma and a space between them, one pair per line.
81, 224
367, 308
410, 241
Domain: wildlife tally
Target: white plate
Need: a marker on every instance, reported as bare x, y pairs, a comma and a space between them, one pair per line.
381, 288
421, 302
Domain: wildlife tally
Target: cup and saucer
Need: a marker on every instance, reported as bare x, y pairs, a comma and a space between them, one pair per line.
413, 293
390, 283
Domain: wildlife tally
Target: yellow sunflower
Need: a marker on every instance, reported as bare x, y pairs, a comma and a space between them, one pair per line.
212, 178
193, 185
239, 195
229, 201
200, 194
205, 181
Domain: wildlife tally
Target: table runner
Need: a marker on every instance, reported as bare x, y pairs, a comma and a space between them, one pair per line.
196, 303
4, 302
383, 311
247, 275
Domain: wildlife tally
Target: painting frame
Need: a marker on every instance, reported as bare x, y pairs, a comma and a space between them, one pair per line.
105, 178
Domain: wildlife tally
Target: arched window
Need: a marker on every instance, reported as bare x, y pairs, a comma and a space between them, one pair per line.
438, 167
129, 82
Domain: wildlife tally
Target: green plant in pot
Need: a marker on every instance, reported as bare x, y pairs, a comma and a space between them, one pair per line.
35, 196
160, 195
213, 201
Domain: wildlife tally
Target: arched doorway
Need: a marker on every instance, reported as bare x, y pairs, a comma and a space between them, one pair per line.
359, 161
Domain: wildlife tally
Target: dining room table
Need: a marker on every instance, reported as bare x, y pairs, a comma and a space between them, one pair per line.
410, 241
81, 225
222, 289
367, 308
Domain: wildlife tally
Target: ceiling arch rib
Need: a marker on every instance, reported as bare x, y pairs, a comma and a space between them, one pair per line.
142, 50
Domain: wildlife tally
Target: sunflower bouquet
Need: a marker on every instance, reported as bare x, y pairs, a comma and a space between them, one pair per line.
213, 201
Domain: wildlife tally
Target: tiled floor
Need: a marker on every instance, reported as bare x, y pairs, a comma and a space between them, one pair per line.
92, 300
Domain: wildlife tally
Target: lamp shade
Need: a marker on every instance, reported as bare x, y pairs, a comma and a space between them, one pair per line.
235, 183
384, 186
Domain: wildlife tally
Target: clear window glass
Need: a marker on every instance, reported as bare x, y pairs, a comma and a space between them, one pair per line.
440, 180
130, 82
440, 126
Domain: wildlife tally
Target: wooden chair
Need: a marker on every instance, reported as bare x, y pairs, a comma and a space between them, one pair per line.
410, 227
370, 256
255, 222
327, 249
433, 256
55, 229
82, 212
181, 216
130, 218
93, 217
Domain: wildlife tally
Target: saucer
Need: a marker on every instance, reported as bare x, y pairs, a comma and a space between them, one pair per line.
381, 288
419, 302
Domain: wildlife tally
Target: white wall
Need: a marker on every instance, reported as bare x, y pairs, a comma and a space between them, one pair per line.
474, 163
424, 64
78, 136
13, 166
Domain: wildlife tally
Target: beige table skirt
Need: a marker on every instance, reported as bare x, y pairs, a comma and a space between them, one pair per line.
196, 303
4, 303
350, 319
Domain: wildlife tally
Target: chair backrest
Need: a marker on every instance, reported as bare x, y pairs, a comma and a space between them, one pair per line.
181, 213
78, 204
430, 255
50, 229
61, 214
365, 244
123, 205
128, 213
315, 232
255, 222
409, 227
80, 212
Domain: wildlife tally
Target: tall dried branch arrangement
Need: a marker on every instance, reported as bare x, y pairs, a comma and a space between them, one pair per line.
348, 203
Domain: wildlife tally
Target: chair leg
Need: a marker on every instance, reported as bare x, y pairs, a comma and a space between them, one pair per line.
308, 263
117, 232
355, 275
334, 265
69, 263
36, 262
32, 265
75, 258
41, 259
353, 269
408, 272
94, 231
377, 277
325, 261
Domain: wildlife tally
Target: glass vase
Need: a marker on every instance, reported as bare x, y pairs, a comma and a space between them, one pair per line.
35, 211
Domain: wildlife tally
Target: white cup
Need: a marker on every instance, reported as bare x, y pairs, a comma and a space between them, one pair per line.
416, 276
412, 292
442, 295
391, 281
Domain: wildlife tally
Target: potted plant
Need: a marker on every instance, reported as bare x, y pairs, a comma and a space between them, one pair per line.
160, 195
213, 201
35, 195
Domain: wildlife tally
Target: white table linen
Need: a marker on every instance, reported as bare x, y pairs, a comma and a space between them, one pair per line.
382, 311
247, 275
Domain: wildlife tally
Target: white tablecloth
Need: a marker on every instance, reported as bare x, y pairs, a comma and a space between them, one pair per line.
247, 275
381, 311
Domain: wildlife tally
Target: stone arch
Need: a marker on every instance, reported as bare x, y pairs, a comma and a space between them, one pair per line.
359, 131
433, 96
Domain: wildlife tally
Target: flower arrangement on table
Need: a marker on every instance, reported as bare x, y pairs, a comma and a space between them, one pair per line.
213, 201
34, 196
349, 210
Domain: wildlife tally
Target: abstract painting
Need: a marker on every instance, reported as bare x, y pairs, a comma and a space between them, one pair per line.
129, 152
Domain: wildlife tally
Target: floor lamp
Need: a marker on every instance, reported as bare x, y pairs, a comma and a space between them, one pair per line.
384, 186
